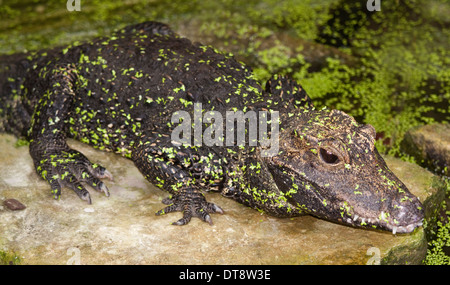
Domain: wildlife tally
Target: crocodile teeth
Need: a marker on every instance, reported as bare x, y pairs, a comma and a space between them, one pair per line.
406, 229
382, 215
355, 219
411, 227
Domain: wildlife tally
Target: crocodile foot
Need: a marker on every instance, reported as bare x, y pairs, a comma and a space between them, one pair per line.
69, 168
192, 204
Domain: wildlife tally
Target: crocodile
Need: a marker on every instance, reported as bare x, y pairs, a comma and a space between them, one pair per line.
119, 93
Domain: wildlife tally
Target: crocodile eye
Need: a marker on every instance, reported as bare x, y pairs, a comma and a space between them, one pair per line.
328, 157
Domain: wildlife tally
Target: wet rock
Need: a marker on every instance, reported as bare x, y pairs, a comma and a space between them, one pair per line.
123, 228
430, 145
14, 205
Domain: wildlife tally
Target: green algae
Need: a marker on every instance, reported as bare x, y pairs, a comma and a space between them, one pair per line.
438, 231
9, 258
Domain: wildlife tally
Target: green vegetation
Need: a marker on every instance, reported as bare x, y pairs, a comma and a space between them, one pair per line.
9, 258
389, 68
439, 234
436, 254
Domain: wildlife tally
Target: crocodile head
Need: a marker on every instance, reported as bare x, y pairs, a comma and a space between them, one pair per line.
328, 167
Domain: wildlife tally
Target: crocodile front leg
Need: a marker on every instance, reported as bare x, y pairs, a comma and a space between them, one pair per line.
54, 160
175, 170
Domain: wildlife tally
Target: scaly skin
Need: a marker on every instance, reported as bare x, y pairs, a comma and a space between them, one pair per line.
119, 94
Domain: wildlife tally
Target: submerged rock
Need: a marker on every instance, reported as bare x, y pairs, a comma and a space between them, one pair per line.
123, 228
430, 145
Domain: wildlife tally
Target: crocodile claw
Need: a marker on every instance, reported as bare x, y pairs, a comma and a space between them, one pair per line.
102, 188
192, 204
70, 168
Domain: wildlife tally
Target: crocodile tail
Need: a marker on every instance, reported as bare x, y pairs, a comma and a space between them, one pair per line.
12, 72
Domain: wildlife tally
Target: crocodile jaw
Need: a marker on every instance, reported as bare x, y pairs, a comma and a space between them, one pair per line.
402, 220
407, 228
392, 206
374, 205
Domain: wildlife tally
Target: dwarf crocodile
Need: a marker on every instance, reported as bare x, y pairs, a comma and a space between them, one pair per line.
119, 94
